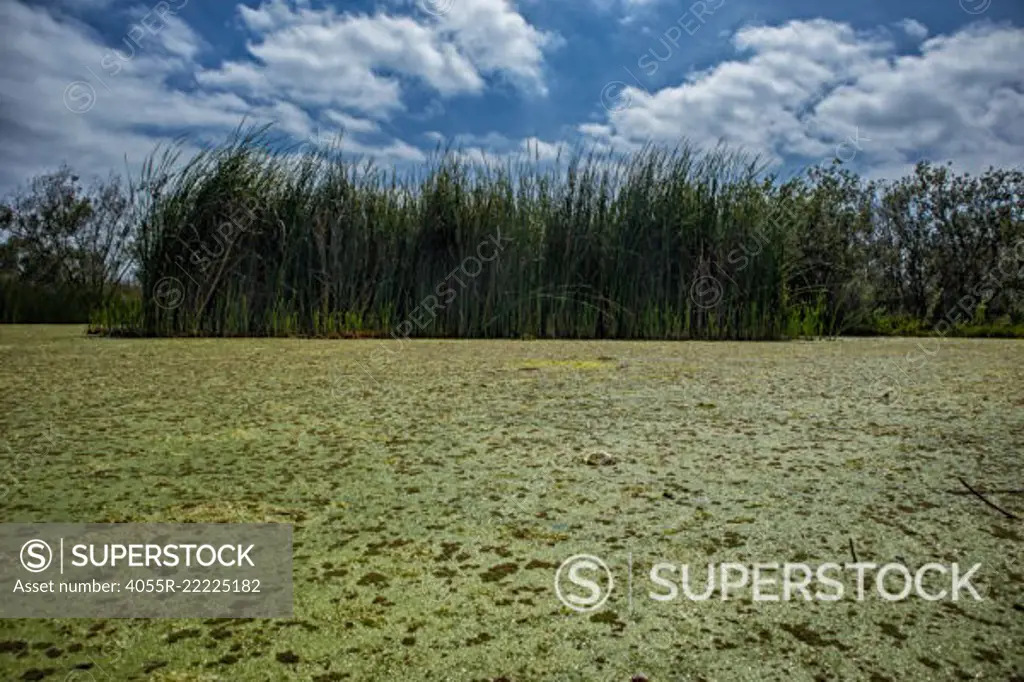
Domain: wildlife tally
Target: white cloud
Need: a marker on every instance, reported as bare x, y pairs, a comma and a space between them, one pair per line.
915, 29
499, 149
272, 14
362, 62
629, 8
499, 40
52, 66
352, 124
792, 91
77, 6
179, 39
805, 87
353, 68
540, 150
395, 151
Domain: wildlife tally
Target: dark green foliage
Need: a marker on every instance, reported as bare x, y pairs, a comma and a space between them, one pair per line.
242, 241
63, 249
248, 239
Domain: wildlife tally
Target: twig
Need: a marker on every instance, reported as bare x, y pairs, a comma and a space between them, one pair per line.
1011, 491
853, 552
982, 498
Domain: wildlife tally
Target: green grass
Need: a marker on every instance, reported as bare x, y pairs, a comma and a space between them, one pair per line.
433, 501
254, 242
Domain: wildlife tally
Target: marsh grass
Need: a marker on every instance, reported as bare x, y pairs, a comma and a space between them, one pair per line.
249, 239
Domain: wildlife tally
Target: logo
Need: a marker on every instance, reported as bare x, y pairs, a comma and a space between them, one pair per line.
438, 8
36, 556
596, 597
79, 97
168, 293
615, 96
706, 292
886, 388
975, 6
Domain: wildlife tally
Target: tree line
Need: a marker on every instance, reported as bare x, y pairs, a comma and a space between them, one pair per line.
251, 239
65, 249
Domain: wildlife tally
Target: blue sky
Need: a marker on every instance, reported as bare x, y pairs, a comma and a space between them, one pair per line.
882, 84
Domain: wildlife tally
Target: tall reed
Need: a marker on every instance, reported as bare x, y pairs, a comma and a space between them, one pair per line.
249, 238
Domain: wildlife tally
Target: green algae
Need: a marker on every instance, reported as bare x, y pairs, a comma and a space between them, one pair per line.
433, 504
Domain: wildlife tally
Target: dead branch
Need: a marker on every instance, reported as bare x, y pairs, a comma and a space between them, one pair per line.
982, 498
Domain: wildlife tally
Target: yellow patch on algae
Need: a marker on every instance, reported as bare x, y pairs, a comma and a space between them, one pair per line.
568, 364
224, 512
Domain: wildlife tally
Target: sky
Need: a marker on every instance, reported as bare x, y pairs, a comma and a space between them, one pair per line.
880, 84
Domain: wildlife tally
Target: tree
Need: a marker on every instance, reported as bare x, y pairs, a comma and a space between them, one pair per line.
65, 249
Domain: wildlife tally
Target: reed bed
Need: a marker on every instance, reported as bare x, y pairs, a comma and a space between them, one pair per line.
251, 239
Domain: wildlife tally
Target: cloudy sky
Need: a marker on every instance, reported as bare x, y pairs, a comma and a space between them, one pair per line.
880, 83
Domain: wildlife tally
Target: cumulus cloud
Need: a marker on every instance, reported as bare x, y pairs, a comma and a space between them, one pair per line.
806, 87
535, 148
351, 123
494, 148
497, 39
46, 76
915, 29
339, 60
69, 96
322, 57
796, 91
